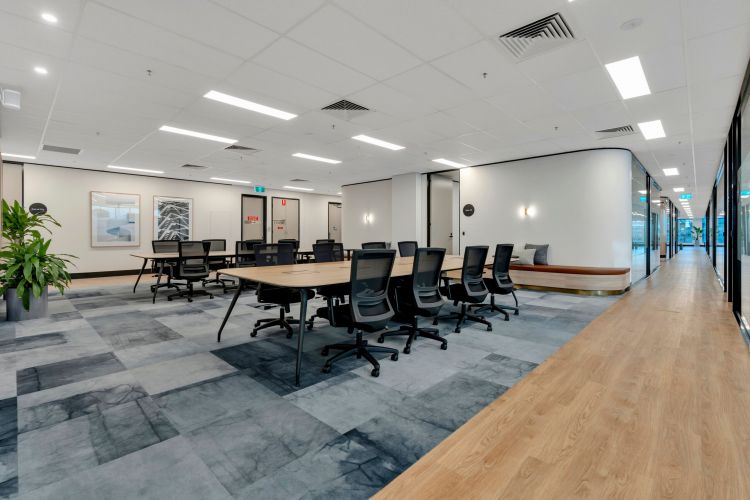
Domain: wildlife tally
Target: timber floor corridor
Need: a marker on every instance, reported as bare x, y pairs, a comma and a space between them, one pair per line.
651, 400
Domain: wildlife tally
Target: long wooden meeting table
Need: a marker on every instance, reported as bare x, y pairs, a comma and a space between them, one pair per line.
313, 275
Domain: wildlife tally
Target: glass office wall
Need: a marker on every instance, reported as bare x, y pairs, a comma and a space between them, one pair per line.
685, 232
743, 215
639, 183
655, 224
720, 223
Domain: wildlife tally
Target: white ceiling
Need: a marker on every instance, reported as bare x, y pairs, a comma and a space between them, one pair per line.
432, 71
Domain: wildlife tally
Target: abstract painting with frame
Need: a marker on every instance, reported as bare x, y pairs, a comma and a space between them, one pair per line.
115, 219
173, 218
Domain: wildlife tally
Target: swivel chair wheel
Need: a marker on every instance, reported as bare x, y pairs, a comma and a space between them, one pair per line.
394, 356
407, 349
489, 328
189, 299
435, 321
254, 333
381, 339
324, 352
457, 330
375, 372
326, 369
289, 335
444, 347
169, 299
257, 323
507, 318
515, 313
210, 296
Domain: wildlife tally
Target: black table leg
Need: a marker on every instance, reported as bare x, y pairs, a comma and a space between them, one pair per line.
301, 336
229, 311
158, 280
143, 267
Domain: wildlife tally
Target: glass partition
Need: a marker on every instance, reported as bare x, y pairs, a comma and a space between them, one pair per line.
720, 223
655, 225
638, 221
743, 215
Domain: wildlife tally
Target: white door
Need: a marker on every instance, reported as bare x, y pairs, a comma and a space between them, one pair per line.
284, 219
441, 213
334, 222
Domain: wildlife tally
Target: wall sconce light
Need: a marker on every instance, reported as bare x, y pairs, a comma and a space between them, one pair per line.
368, 218
525, 212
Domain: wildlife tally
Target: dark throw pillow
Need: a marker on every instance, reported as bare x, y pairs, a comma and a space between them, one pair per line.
540, 257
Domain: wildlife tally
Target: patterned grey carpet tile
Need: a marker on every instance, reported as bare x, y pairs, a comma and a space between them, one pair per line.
52, 453
246, 446
65, 372
167, 470
110, 430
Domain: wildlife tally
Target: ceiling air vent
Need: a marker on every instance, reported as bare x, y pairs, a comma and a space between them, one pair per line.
535, 38
345, 109
237, 147
608, 133
61, 149
194, 167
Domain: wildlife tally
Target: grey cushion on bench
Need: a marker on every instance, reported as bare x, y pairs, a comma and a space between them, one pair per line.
540, 257
527, 256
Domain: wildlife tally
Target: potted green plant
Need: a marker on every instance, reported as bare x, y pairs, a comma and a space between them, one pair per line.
697, 233
27, 268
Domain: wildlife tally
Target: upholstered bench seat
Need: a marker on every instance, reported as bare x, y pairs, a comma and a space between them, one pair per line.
603, 280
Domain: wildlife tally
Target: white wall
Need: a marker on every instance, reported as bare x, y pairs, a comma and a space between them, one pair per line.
216, 211
582, 202
406, 208
371, 199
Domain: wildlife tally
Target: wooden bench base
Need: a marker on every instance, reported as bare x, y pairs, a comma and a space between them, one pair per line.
589, 283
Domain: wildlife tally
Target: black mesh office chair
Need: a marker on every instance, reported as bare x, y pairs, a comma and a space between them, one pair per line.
216, 263
369, 308
244, 252
470, 290
333, 294
277, 255
407, 248
500, 283
167, 267
295, 247
192, 266
420, 296
374, 245
325, 241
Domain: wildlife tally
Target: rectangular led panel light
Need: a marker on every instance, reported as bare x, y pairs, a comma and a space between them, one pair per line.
249, 105
450, 163
131, 169
652, 130
678, 190
377, 142
221, 179
20, 157
298, 188
629, 77
199, 135
316, 158
670, 171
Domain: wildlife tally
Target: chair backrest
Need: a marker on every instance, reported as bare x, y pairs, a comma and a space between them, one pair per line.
473, 268
338, 252
374, 245
193, 259
294, 243
407, 248
165, 246
370, 275
217, 245
501, 264
325, 241
244, 252
324, 252
274, 254
425, 277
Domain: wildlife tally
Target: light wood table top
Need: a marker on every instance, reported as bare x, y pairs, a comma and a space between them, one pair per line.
322, 273
650, 400
175, 255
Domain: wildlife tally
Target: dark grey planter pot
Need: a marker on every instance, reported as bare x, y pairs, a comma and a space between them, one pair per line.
14, 307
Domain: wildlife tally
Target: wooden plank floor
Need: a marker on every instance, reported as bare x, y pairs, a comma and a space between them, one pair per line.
651, 400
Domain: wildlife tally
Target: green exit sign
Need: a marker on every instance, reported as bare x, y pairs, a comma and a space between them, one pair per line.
686, 196
260, 189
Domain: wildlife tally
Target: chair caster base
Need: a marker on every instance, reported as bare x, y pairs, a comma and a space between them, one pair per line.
407, 350
457, 330
381, 339
254, 333
375, 372
324, 352
489, 328
326, 369
394, 356
444, 347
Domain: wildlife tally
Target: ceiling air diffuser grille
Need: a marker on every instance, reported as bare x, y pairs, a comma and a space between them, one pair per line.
345, 110
535, 38
61, 149
608, 133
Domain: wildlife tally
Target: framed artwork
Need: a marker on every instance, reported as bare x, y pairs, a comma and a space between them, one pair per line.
115, 219
173, 218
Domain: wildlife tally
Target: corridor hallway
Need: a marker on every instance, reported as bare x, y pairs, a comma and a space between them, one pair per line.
650, 400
